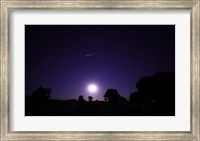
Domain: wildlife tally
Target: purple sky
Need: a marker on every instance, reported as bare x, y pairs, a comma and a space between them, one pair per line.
67, 58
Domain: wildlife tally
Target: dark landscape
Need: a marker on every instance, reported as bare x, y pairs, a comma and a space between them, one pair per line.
155, 97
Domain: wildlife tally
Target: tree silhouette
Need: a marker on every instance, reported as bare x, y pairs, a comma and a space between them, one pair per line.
81, 105
90, 98
38, 102
135, 98
81, 99
41, 94
111, 95
160, 87
157, 91
122, 99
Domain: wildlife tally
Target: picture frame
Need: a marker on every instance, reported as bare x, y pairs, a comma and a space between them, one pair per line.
193, 135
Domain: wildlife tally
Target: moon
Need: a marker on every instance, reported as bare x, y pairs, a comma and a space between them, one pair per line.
92, 88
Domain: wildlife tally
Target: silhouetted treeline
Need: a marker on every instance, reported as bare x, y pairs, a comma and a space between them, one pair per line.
155, 96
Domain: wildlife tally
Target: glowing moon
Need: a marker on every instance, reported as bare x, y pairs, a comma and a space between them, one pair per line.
92, 88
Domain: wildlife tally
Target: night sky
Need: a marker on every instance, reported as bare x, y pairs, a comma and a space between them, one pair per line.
68, 58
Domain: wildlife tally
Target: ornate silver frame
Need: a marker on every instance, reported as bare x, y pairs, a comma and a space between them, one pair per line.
7, 6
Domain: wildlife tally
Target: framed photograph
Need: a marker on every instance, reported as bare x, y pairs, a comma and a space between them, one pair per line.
100, 70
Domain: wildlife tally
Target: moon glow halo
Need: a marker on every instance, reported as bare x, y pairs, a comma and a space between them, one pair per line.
92, 88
